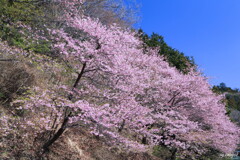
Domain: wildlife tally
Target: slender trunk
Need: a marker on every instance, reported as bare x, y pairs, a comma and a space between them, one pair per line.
80, 75
56, 135
66, 116
78, 79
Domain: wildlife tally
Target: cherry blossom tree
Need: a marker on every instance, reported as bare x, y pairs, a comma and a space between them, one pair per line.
127, 95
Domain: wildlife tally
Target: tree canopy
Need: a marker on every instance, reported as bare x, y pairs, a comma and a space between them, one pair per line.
173, 56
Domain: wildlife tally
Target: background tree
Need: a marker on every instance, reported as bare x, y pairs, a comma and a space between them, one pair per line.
232, 99
174, 57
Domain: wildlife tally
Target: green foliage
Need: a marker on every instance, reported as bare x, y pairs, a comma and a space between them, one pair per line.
232, 96
226, 158
30, 14
2, 95
16, 37
12, 36
222, 88
174, 57
42, 46
19, 11
211, 154
162, 152
233, 101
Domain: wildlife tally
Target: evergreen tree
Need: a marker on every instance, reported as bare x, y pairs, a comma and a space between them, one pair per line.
174, 57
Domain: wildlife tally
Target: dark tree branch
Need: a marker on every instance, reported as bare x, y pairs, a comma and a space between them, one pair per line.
80, 75
56, 136
7, 60
173, 97
66, 116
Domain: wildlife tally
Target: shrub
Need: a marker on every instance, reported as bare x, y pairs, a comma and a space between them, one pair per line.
14, 78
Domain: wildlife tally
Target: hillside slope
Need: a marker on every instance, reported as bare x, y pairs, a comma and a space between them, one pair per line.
85, 90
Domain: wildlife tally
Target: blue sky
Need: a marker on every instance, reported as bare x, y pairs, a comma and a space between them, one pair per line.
208, 30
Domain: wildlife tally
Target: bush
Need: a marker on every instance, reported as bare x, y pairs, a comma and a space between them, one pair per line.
14, 78
162, 152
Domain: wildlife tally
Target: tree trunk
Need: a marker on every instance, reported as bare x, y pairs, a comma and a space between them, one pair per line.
66, 118
56, 135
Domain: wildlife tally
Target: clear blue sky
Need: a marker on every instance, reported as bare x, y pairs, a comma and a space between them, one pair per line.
208, 30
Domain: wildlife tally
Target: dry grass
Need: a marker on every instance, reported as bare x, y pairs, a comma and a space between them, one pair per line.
79, 144
14, 78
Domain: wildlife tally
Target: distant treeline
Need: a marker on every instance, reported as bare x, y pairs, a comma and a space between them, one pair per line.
175, 58
232, 96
